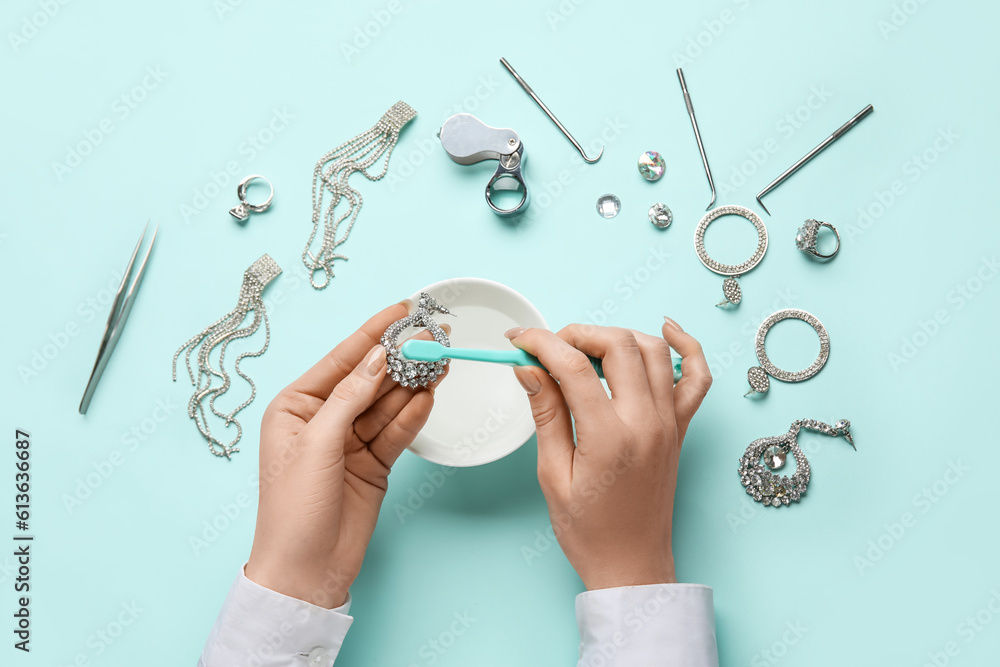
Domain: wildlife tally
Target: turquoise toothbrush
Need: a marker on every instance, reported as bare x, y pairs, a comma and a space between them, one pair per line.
429, 350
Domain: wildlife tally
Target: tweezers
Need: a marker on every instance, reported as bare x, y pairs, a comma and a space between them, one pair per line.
120, 310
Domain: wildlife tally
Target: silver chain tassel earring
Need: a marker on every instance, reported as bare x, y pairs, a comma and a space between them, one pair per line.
777, 490
331, 174
219, 334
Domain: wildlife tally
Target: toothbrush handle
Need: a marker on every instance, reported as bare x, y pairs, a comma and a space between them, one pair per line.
526, 359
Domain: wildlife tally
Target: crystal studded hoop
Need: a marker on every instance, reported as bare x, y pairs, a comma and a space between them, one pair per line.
730, 287
410, 373
758, 375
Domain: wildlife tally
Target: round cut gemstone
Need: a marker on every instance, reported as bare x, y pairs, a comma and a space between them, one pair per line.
774, 457
651, 165
608, 205
660, 215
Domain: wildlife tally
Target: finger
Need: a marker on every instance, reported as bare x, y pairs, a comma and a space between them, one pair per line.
622, 361
320, 380
399, 433
696, 380
578, 380
554, 428
387, 407
352, 396
660, 373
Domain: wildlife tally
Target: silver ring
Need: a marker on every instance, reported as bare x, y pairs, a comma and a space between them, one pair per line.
758, 375
805, 238
243, 210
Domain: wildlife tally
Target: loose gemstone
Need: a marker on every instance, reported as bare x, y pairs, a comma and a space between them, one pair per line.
651, 165
660, 215
774, 457
608, 205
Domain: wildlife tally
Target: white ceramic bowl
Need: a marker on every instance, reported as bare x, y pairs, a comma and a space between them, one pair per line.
480, 413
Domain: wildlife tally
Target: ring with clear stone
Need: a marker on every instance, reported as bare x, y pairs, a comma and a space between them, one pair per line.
758, 376
805, 238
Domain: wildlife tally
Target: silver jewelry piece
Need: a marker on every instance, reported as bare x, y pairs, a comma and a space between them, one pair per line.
608, 205
219, 334
777, 490
243, 210
805, 239
758, 375
410, 373
331, 174
660, 215
730, 287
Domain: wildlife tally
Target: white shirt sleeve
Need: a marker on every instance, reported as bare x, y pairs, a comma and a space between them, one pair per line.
258, 627
659, 624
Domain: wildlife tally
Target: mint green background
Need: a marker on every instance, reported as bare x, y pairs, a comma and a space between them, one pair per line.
602, 67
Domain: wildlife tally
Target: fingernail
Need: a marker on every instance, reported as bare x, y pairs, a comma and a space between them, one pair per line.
375, 361
672, 323
446, 327
514, 333
408, 304
528, 381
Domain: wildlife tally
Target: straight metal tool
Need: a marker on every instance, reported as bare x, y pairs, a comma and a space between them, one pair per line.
838, 133
552, 117
120, 309
697, 135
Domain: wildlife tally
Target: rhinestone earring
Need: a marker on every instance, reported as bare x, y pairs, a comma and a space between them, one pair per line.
407, 372
777, 490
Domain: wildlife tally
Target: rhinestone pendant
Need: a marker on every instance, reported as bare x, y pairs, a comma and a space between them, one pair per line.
764, 486
651, 165
774, 457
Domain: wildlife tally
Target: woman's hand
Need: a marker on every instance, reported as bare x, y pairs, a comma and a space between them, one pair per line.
327, 443
611, 493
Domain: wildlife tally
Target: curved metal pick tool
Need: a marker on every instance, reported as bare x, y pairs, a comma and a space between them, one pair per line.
468, 140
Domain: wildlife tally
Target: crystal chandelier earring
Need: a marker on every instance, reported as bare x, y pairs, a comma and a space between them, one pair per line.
776, 490
405, 371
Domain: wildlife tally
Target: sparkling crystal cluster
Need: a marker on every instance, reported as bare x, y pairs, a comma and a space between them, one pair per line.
766, 487
805, 239
410, 373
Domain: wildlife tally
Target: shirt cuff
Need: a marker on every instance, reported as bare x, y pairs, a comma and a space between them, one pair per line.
658, 624
258, 627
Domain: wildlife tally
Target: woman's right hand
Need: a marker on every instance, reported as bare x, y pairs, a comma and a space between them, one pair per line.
610, 491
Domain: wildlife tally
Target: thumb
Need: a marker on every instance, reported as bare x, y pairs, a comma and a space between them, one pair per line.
554, 425
352, 396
